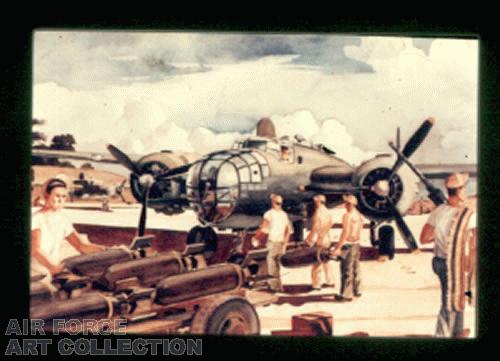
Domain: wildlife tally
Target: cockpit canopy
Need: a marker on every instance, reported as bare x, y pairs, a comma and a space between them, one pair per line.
214, 183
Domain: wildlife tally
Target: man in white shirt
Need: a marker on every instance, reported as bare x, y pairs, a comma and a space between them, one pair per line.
452, 228
278, 227
49, 228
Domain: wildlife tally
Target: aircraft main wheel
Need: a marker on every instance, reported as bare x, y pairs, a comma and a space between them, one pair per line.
386, 241
204, 235
373, 238
226, 315
298, 231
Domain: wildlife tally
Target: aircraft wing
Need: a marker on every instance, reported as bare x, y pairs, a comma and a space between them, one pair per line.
77, 155
441, 171
331, 180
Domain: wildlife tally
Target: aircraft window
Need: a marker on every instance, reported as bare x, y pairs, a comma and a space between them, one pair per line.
286, 155
244, 175
257, 144
210, 169
256, 174
248, 157
263, 162
238, 162
265, 170
227, 194
260, 158
227, 176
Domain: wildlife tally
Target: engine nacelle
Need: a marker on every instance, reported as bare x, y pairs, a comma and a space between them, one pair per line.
166, 195
375, 201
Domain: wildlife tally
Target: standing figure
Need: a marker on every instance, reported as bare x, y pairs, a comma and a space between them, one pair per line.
452, 228
278, 227
349, 250
284, 153
49, 228
322, 222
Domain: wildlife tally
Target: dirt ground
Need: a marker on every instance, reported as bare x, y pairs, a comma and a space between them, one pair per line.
400, 297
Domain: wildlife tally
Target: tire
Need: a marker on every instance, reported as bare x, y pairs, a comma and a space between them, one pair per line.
373, 237
226, 315
206, 235
386, 241
298, 231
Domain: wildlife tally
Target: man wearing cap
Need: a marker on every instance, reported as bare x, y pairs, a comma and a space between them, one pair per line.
349, 246
452, 228
322, 222
277, 225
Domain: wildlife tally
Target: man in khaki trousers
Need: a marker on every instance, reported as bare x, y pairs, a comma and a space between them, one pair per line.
350, 268
277, 225
322, 222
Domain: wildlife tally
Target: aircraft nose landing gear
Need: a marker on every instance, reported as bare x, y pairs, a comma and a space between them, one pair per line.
206, 236
384, 241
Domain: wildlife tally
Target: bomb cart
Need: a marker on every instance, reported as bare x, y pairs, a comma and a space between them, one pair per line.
155, 292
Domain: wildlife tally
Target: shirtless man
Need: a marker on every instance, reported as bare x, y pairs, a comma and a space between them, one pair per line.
349, 245
322, 222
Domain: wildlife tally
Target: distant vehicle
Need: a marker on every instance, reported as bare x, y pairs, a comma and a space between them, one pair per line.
83, 187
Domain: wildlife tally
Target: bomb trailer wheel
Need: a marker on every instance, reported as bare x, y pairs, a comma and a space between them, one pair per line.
226, 315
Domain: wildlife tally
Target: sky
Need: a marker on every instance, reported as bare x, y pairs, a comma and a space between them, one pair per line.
148, 91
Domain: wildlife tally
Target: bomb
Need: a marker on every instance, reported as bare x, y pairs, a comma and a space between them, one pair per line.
147, 271
204, 282
305, 257
94, 264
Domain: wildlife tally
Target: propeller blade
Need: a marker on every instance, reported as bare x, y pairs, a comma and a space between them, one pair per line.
405, 231
418, 137
142, 218
123, 159
412, 145
435, 194
174, 171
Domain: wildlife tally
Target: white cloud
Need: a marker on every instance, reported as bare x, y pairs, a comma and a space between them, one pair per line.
205, 141
329, 132
354, 113
300, 122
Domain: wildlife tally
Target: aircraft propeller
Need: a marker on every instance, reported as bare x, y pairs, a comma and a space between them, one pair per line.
146, 180
123, 159
413, 143
402, 157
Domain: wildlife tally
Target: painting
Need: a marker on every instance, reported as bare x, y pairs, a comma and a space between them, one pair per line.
296, 184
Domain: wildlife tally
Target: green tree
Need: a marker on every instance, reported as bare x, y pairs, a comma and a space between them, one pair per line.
63, 142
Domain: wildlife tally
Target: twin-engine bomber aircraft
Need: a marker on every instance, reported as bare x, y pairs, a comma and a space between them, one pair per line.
230, 189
